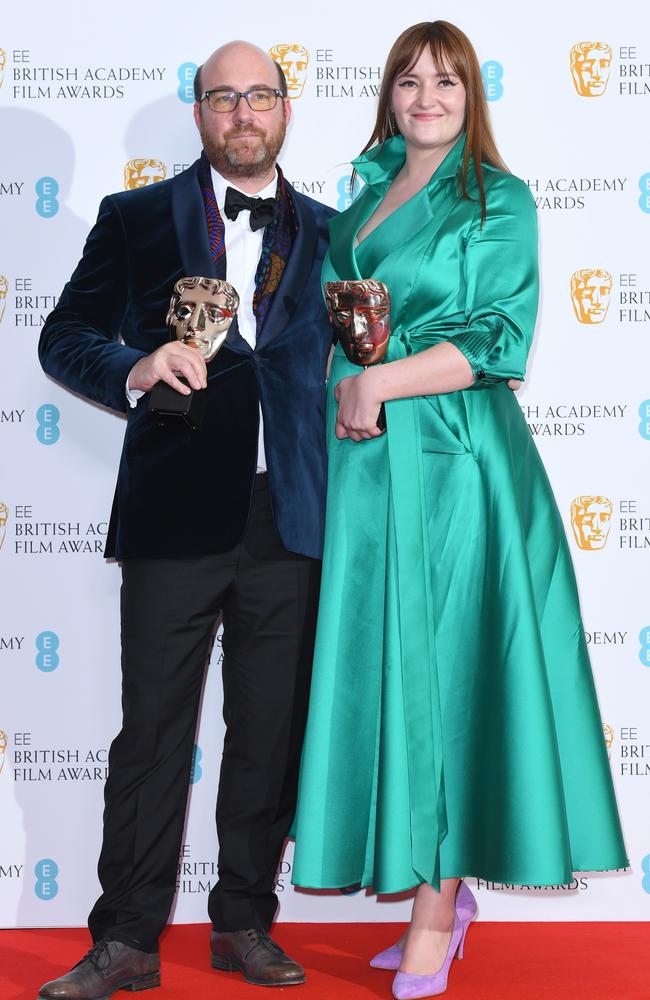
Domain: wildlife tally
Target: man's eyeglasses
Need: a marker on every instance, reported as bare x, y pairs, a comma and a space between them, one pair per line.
260, 99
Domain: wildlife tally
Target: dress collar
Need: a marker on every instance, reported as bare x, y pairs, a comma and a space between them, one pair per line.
382, 162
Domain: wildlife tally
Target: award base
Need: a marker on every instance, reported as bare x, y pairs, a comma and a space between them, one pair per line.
173, 408
381, 419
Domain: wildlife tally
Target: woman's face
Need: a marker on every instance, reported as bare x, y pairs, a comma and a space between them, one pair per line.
429, 104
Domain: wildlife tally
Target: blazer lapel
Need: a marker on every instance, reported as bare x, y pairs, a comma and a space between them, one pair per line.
191, 225
296, 273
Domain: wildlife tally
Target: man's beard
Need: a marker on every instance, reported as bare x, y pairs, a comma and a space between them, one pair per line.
229, 157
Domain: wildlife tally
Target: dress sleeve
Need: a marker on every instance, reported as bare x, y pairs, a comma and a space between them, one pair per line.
502, 284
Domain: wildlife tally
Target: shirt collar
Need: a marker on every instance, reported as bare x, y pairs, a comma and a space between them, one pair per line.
220, 184
382, 162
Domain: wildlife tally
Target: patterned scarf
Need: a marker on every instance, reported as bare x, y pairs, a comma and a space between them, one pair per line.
216, 228
276, 243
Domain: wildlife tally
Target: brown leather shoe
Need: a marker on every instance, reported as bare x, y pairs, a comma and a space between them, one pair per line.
254, 953
108, 966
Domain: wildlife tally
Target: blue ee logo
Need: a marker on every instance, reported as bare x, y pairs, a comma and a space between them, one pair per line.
644, 200
345, 195
46, 886
644, 413
644, 652
186, 73
47, 418
47, 657
196, 771
46, 204
645, 867
492, 73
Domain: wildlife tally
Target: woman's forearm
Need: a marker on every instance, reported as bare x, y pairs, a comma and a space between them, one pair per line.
438, 369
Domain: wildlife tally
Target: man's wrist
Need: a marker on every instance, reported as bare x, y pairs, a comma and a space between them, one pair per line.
132, 394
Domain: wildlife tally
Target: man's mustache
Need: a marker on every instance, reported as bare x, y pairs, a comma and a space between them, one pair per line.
243, 130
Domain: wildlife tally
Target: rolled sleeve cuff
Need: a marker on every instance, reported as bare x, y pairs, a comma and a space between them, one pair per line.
486, 358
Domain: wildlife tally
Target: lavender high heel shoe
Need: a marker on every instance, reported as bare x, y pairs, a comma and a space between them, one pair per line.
466, 908
409, 986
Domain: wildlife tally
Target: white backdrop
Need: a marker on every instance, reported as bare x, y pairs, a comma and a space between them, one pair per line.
72, 116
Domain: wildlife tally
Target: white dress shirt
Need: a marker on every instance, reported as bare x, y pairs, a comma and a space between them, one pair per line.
243, 252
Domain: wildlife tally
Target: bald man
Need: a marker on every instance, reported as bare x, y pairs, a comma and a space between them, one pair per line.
252, 476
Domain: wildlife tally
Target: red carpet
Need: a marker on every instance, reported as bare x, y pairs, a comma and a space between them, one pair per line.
503, 961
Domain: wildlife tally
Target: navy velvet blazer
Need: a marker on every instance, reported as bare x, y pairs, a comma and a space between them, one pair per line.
181, 492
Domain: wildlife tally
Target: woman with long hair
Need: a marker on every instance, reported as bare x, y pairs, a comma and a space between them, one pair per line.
453, 728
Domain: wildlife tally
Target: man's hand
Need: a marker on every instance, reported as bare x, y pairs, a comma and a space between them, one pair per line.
358, 407
165, 364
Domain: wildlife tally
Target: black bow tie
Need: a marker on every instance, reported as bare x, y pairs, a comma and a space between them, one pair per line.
263, 210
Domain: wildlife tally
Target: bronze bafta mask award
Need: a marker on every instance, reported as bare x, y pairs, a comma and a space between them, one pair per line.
359, 311
200, 313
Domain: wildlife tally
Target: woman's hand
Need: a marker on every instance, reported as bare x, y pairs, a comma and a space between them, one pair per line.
359, 405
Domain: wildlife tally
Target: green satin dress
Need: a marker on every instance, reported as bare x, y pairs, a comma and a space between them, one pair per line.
453, 727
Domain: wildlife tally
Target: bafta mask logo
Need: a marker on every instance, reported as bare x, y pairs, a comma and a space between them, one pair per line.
591, 519
293, 60
4, 288
591, 290
3, 63
200, 313
140, 172
359, 311
4, 740
591, 63
608, 733
4, 517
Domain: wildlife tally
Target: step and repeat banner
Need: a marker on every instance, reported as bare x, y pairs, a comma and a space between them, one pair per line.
570, 103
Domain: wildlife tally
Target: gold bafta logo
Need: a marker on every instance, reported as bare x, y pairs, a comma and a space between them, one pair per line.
4, 517
591, 64
591, 519
3, 63
4, 740
140, 172
591, 290
293, 60
608, 733
4, 288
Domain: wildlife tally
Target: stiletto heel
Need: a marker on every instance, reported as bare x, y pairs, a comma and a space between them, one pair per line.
461, 946
466, 909
409, 985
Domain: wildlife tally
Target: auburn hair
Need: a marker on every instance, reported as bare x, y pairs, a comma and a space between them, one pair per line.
451, 50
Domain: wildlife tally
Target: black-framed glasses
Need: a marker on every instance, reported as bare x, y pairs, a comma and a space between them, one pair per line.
258, 99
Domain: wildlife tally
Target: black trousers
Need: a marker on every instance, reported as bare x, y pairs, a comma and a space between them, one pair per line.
268, 599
